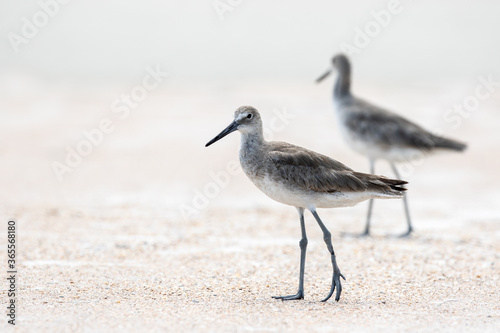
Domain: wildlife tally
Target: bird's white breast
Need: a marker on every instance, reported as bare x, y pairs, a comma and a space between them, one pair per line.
297, 197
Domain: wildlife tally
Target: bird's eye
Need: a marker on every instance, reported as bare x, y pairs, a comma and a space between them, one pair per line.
249, 116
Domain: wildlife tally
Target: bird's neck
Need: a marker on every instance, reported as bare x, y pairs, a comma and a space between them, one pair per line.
342, 86
251, 144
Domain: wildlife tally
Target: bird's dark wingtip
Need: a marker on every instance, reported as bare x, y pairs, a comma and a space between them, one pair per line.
396, 184
450, 144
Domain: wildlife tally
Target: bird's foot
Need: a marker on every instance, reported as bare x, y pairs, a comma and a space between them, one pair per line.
363, 234
298, 295
406, 234
335, 285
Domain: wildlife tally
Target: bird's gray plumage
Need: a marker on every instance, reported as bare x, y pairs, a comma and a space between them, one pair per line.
311, 171
386, 129
379, 133
377, 126
307, 180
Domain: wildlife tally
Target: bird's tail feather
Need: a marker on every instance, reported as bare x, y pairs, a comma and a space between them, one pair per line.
395, 184
445, 143
385, 187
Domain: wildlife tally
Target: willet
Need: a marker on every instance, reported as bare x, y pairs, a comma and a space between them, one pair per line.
378, 133
302, 178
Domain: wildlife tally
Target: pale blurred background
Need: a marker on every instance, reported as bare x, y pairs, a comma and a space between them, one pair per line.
220, 55
149, 232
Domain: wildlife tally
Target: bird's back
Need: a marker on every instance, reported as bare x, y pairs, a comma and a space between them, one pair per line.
300, 177
379, 133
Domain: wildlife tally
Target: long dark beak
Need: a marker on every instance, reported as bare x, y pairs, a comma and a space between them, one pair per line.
231, 128
324, 76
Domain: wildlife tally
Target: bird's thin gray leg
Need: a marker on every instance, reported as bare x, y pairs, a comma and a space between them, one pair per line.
370, 204
370, 208
405, 202
327, 237
303, 247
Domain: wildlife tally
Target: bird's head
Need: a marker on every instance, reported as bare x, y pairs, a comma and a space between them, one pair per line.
340, 63
246, 120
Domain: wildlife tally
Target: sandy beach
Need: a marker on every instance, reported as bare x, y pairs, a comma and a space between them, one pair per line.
126, 222
125, 242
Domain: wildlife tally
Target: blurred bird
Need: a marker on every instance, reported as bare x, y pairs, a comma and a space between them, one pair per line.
378, 133
302, 178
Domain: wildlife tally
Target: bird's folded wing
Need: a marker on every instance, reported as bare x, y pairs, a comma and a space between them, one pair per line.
382, 127
312, 171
